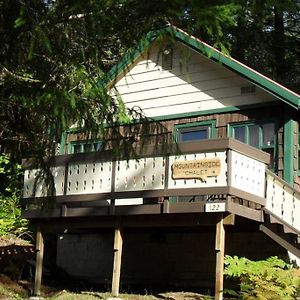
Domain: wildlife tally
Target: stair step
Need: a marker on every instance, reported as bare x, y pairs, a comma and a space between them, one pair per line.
281, 239
290, 236
274, 219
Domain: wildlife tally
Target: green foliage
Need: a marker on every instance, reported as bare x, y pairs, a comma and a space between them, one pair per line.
55, 53
270, 279
267, 38
10, 193
10, 216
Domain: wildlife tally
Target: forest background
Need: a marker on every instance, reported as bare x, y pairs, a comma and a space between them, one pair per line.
55, 54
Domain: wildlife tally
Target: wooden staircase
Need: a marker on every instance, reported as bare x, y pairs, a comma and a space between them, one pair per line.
281, 219
281, 232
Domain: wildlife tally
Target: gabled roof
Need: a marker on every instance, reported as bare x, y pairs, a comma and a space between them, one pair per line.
272, 87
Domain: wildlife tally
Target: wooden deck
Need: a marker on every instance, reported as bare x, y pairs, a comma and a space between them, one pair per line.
103, 184
179, 185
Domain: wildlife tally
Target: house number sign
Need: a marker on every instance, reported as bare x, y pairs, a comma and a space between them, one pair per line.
196, 169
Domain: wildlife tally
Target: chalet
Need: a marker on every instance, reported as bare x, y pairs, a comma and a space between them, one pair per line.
210, 169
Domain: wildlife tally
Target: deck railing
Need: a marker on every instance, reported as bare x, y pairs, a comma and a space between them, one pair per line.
210, 167
282, 200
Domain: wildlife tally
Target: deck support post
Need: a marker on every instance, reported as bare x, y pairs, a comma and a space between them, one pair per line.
118, 243
39, 262
220, 252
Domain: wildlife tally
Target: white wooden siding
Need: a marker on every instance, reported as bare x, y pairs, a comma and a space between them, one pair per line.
195, 83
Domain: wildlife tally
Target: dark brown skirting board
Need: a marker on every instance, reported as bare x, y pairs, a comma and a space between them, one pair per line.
132, 194
145, 209
222, 190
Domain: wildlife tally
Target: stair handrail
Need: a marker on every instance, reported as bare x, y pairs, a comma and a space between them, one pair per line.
283, 200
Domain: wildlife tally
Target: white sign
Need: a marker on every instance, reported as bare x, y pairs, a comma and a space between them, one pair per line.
215, 207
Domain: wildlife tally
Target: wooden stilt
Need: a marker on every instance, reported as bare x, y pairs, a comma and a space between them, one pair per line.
38, 263
220, 251
118, 242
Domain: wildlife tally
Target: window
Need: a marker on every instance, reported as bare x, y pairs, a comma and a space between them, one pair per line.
85, 146
258, 135
194, 131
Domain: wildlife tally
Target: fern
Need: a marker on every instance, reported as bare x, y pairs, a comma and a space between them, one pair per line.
270, 279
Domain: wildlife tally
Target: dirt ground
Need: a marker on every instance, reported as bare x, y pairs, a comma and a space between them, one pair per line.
10, 289
15, 252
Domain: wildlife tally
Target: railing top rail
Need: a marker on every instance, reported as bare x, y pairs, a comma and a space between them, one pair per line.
271, 174
211, 145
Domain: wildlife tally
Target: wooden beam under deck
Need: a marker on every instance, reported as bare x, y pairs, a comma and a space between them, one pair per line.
156, 193
137, 221
123, 210
244, 211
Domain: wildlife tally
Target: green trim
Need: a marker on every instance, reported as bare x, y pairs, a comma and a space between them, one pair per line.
211, 53
298, 149
298, 160
288, 149
130, 57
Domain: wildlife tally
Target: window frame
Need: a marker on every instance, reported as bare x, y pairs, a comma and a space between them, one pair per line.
83, 143
211, 124
261, 145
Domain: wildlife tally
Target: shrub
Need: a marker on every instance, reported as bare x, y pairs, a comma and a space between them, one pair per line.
10, 195
267, 279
